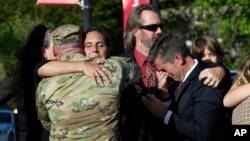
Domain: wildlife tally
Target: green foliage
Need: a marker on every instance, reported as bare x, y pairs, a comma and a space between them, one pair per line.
108, 15
226, 20
17, 19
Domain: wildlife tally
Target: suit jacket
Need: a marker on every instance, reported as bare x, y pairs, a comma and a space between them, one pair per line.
136, 123
197, 110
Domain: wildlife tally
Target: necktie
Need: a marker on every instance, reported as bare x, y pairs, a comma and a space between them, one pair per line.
151, 78
180, 85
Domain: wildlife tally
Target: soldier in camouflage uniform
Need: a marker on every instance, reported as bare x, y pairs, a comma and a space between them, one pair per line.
70, 106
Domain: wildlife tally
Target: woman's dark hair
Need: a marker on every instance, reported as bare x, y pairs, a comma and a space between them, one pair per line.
30, 56
24, 85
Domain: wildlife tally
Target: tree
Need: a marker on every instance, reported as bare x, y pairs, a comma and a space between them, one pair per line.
19, 17
108, 15
225, 20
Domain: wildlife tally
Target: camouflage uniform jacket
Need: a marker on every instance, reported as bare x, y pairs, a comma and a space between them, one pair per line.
72, 108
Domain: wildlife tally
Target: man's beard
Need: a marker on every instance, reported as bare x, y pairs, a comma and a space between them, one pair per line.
147, 41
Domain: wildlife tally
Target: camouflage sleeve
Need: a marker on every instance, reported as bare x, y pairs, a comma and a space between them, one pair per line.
130, 71
41, 109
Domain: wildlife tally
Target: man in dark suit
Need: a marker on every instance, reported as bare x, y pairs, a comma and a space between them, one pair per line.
136, 123
196, 112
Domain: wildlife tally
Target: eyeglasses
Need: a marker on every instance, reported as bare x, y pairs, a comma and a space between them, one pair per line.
151, 27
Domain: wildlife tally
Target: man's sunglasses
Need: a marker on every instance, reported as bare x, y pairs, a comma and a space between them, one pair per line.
151, 27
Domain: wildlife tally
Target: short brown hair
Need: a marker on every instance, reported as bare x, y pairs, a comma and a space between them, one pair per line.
198, 47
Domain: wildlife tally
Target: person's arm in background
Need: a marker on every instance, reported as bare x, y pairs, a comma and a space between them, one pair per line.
99, 74
236, 95
213, 76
